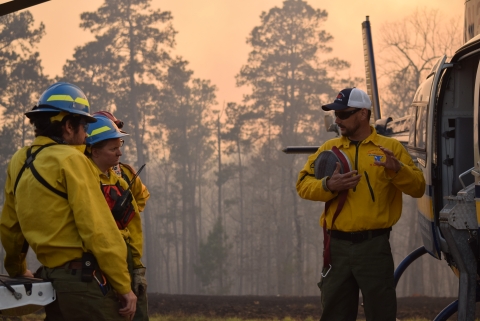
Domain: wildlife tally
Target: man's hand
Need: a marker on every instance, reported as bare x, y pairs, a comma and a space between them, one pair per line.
129, 305
340, 182
28, 274
391, 162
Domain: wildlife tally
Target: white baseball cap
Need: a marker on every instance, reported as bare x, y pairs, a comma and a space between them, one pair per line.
349, 97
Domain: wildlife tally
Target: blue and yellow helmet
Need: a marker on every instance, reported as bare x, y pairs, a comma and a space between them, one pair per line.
65, 97
102, 129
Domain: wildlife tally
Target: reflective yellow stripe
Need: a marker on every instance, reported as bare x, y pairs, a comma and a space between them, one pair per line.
425, 207
79, 100
99, 130
82, 101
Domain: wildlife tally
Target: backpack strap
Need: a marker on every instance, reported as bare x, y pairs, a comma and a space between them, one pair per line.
29, 164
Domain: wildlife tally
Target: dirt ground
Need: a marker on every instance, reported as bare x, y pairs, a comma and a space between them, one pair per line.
265, 307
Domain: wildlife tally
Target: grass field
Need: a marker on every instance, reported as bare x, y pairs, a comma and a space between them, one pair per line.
190, 318
41, 317
36, 317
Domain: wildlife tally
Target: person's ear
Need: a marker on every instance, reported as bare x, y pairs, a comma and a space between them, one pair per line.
365, 113
68, 126
67, 129
94, 152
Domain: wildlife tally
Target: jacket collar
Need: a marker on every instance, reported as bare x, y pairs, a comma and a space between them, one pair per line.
100, 173
43, 140
373, 137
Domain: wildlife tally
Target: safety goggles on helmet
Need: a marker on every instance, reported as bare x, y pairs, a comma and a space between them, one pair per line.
101, 130
65, 97
110, 116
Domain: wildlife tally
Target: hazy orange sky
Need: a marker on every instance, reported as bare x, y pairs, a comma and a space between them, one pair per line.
212, 33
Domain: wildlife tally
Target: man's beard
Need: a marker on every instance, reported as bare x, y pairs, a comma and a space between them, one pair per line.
348, 132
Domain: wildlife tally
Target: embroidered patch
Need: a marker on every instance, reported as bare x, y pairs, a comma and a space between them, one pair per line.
377, 155
117, 170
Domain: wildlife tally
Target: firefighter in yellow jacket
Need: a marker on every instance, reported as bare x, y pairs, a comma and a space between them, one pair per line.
359, 250
126, 171
104, 143
53, 203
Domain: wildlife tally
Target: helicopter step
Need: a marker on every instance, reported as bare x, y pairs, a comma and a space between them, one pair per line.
21, 296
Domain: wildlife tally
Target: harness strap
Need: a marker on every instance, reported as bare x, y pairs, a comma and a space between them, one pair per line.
41, 179
342, 197
28, 162
125, 176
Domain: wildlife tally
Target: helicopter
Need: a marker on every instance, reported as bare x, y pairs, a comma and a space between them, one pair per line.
17, 5
441, 133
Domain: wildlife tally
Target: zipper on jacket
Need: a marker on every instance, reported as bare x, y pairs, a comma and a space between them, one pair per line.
370, 187
357, 147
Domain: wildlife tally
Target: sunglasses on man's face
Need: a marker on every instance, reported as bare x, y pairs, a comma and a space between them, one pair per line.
346, 114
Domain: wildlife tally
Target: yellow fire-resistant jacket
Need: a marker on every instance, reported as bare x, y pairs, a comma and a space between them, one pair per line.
133, 233
60, 230
376, 201
139, 191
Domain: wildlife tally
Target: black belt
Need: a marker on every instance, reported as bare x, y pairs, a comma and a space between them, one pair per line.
357, 237
71, 265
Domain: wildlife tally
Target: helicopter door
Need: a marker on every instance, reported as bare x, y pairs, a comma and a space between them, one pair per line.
476, 142
422, 149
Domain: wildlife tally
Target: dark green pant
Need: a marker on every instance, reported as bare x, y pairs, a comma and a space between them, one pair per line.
366, 266
141, 313
77, 300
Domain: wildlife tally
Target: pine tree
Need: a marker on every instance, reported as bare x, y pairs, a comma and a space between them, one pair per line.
213, 258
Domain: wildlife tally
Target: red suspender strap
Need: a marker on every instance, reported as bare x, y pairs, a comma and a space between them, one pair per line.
342, 197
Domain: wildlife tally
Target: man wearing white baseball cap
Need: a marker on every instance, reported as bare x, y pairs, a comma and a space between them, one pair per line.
361, 206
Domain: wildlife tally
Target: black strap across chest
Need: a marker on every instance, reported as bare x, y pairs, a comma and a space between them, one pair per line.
29, 164
124, 176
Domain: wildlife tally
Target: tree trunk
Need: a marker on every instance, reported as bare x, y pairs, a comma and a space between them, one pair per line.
220, 180
242, 223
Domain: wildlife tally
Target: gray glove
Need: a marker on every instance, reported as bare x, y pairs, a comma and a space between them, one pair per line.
139, 281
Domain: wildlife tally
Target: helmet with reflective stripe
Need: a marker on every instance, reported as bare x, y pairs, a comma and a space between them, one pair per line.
63, 96
110, 116
102, 129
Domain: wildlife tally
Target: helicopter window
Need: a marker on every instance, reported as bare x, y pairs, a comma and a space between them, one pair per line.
421, 128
